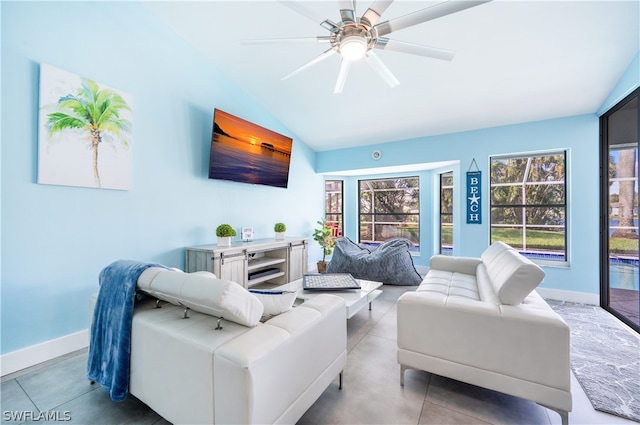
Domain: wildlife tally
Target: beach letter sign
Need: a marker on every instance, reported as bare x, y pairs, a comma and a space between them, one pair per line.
473, 197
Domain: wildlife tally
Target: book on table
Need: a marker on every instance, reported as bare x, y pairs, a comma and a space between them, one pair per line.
329, 281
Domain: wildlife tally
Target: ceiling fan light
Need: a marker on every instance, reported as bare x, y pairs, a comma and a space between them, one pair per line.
353, 47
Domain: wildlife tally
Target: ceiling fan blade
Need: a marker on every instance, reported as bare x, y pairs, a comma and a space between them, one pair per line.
313, 61
376, 63
342, 76
347, 11
310, 14
320, 39
375, 11
414, 49
437, 11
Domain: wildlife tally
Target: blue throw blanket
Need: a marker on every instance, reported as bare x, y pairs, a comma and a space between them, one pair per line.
110, 344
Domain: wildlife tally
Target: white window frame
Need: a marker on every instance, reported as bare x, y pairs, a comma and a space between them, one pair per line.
417, 247
544, 258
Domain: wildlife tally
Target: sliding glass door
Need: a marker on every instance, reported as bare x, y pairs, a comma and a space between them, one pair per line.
620, 241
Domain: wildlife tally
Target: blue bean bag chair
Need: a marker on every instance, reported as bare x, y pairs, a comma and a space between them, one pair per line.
390, 263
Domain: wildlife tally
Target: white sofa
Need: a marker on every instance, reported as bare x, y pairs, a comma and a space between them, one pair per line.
190, 372
480, 321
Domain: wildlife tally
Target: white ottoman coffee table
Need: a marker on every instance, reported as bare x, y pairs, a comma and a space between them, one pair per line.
355, 299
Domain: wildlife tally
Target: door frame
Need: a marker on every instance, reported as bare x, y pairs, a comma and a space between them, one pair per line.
604, 206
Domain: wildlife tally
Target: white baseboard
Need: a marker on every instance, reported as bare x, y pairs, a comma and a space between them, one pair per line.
570, 296
31, 356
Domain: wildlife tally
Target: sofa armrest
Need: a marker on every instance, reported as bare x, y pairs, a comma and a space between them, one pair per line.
265, 371
466, 265
528, 342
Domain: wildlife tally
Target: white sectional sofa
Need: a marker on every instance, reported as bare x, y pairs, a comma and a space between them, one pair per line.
480, 321
189, 372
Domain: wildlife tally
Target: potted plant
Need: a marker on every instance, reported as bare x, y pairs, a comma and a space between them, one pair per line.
324, 236
279, 228
225, 232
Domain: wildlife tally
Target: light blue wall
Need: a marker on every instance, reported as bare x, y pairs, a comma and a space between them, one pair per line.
579, 135
56, 239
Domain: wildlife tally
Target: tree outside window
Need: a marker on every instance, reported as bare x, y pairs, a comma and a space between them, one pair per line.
446, 213
389, 208
623, 201
333, 205
528, 204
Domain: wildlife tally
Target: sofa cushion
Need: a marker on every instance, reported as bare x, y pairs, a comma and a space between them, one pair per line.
274, 301
391, 263
450, 284
512, 275
204, 293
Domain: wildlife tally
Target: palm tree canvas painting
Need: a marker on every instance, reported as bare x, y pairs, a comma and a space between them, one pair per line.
84, 132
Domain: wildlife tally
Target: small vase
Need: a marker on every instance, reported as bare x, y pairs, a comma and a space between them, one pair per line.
322, 266
224, 240
279, 235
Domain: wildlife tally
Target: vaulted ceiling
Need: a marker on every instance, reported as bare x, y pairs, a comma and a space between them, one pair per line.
516, 61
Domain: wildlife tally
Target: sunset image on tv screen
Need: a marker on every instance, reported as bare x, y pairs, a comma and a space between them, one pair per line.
248, 153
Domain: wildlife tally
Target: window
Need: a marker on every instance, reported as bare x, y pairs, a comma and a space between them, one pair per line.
446, 213
333, 209
529, 204
389, 208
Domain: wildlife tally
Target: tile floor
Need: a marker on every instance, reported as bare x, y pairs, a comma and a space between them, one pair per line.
371, 394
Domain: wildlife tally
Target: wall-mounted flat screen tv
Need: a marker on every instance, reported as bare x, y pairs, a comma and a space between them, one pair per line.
245, 152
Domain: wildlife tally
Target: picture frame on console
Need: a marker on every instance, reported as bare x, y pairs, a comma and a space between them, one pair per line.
247, 233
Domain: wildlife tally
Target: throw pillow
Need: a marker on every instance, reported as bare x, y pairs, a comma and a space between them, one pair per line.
274, 302
391, 263
204, 293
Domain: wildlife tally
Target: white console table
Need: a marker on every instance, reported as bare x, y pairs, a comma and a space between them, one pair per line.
276, 261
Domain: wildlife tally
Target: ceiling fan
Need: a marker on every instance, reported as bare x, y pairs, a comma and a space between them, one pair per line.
354, 38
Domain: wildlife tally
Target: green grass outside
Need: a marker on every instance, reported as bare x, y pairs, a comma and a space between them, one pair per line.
536, 239
447, 235
545, 240
623, 246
